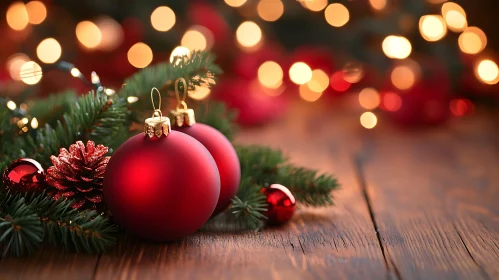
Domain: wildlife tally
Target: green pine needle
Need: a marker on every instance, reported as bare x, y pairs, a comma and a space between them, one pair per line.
27, 221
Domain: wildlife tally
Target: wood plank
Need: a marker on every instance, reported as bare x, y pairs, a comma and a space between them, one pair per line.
332, 242
433, 195
51, 264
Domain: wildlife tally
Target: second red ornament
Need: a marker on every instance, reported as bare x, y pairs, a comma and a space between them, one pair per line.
224, 154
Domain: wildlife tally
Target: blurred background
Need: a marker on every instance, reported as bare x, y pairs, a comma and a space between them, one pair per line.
413, 63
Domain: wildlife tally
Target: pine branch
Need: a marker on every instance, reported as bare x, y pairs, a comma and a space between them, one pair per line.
73, 230
216, 115
199, 69
308, 186
93, 117
51, 109
25, 222
263, 166
21, 232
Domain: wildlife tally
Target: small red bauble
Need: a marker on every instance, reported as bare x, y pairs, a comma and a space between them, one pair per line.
280, 204
24, 175
225, 157
163, 188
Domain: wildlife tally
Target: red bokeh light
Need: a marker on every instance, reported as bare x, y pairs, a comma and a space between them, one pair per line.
338, 83
461, 107
391, 101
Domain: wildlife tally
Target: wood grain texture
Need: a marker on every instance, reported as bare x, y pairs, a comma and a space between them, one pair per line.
49, 264
334, 242
433, 197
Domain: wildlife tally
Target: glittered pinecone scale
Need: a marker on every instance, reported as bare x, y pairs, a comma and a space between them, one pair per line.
78, 174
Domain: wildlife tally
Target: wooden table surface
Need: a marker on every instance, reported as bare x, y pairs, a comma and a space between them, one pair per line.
418, 204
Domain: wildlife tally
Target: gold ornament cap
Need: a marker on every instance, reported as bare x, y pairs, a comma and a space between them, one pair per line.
182, 116
157, 125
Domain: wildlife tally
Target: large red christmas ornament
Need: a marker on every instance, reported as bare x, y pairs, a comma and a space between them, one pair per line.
280, 204
24, 175
162, 185
220, 148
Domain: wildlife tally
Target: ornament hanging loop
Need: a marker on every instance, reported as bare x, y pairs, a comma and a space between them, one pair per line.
157, 125
183, 103
157, 113
184, 92
156, 110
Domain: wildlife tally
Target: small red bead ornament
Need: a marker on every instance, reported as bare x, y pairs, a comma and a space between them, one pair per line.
161, 185
24, 175
280, 204
218, 145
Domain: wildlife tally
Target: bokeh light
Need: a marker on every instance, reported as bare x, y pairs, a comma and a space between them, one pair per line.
454, 16
37, 12
319, 81
456, 21
88, 34
111, 32
338, 82
140, 55
17, 16
315, 5
309, 95
378, 4
49, 50
369, 98
34, 123
353, 72
11, 105
163, 18
270, 74
14, 64
199, 93
461, 107
397, 47
75, 72
487, 72
197, 37
270, 10
391, 101
248, 34
179, 53
368, 120
300, 73
472, 41
432, 27
235, 3
403, 77
31, 73
132, 99
337, 14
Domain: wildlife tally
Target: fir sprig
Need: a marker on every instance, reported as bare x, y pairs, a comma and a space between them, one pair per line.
93, 117
199, 70
25, 222
263, 166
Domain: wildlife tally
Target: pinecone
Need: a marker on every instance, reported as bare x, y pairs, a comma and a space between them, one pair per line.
78, 174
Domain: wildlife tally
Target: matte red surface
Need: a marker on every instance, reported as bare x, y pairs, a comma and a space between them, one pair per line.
225, 157
161, 189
